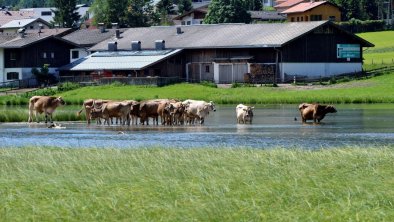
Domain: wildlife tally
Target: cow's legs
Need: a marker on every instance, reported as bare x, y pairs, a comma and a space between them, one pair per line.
35, 115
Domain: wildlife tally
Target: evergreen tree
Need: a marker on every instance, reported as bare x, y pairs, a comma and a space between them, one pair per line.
184, 6
166, 6
253, 5
66, 14
140, 13
227, 11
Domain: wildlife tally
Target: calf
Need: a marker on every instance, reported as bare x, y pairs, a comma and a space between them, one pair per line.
315, 112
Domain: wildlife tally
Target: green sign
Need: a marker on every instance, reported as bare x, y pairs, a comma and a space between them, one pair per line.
348, 51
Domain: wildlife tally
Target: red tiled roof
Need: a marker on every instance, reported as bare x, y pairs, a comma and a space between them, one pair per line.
289, 3
303, 7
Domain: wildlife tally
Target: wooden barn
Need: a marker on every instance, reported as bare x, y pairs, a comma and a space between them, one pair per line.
227, 53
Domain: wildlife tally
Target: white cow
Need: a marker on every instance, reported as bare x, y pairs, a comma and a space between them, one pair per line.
197, 109
244, 113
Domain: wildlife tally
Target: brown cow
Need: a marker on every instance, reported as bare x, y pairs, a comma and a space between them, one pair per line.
315, 112
149, 109
88, 105
44, 104
110, 110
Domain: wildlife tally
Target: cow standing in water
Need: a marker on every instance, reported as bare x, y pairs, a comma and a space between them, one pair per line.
244, 114
88, 105
44, 104
315, 112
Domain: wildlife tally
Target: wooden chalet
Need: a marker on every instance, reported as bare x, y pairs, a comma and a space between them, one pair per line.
21, 52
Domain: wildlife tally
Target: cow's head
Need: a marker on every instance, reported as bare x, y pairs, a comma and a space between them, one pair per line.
248, 110
211, 106
330, 109
95, 113
60, 100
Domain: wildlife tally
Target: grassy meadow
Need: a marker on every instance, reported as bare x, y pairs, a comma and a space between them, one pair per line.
206, 184
373, 90
383, 52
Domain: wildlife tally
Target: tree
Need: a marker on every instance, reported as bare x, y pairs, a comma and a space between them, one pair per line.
140, 13
184, 6
127, 13
253, 5
166, 6
66, 14
227, 11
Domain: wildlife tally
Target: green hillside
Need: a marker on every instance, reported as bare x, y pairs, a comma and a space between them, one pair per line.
383, 52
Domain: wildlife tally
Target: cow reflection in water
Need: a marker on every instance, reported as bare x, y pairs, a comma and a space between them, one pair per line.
315, 112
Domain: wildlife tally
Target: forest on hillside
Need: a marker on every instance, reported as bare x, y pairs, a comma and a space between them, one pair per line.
357, 9
16, 4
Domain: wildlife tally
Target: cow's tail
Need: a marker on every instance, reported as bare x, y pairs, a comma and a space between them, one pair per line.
80, 111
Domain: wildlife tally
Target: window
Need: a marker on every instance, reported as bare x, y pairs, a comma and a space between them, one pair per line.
44, 55
75, 54
306, 18
12, 75
207, 69
183, 23
331, 18
31, 27
12, 55
302, 19
52, 55
298, 19
316, 17
46, 13
292, 19
188, 23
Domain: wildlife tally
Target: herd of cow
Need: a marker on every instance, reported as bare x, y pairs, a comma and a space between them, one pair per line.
171, 112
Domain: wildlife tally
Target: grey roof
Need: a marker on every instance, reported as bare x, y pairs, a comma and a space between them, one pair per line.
215, 36
218, 36
22, 23
16, 41
121, 60
267, 15
90, 37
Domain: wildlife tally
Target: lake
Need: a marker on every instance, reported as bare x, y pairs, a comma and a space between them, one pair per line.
273, 126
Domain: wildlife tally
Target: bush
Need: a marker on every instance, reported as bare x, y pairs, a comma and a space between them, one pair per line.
236, 85
208, 84
67, 86
357, 26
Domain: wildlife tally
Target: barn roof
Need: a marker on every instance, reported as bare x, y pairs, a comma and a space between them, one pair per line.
120, 60
217, 36
90, 37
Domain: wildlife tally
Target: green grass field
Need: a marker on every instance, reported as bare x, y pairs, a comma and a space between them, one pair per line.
374, 90
206, 184
383, 52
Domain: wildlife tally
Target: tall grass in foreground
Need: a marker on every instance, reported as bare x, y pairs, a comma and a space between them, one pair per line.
47, 184
21, 114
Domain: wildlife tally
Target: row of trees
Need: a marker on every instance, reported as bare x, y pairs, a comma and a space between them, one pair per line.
139, 13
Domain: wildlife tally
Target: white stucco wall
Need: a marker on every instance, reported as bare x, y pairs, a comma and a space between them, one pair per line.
2, 74
317, 70
25, 73
82, 53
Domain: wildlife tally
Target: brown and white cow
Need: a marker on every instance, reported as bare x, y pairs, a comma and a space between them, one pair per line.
198, 109
315, 112
244, 113
44, 104
176, 110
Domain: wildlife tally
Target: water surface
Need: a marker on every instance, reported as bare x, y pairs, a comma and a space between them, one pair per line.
273, 126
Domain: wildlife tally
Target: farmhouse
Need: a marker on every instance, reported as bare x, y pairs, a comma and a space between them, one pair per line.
21, 52
226, 53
